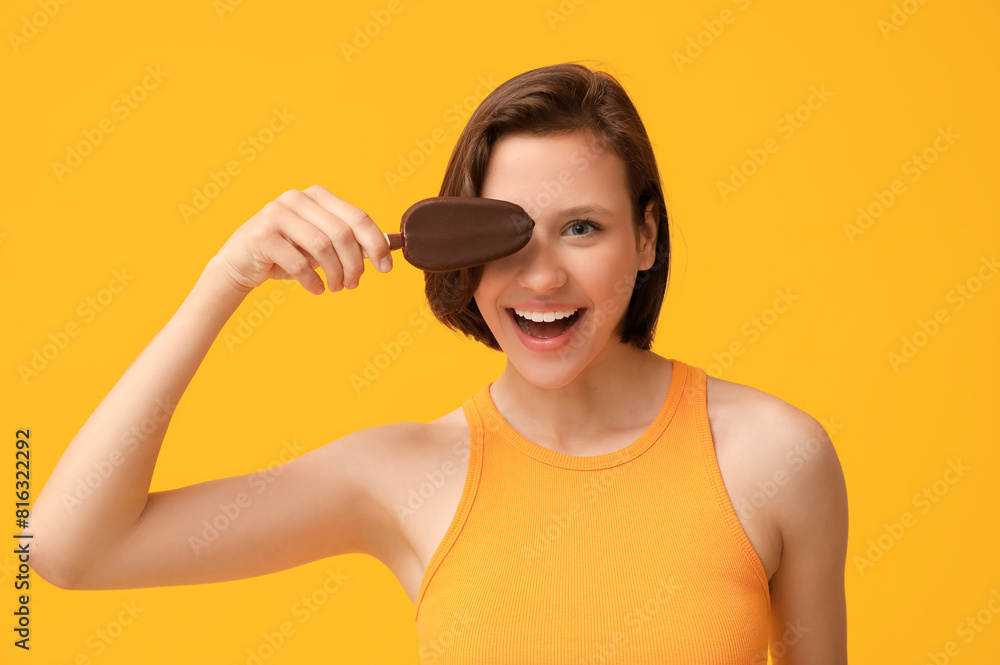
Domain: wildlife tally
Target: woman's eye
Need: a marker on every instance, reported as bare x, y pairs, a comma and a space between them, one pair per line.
583, 223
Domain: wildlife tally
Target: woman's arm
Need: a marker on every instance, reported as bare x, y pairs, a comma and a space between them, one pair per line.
100, 485
95, 523
808, 602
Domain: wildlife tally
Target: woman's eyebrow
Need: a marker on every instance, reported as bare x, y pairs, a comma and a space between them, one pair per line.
588, 209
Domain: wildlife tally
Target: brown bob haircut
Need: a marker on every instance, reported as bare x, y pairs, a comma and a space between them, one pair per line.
557, 99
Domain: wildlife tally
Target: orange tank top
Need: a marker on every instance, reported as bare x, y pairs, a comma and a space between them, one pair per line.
635, 556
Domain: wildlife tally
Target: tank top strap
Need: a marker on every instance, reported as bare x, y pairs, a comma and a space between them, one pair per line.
696, 396
477, 436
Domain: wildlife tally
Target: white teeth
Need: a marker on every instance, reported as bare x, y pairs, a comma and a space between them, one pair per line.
546, 316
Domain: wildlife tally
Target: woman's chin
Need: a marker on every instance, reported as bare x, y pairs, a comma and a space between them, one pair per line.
542, 373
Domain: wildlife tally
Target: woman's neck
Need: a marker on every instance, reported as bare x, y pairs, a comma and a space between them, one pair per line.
618, 392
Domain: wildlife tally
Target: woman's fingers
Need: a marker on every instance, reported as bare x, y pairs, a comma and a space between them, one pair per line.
298, 232
366, 231
295, 264
328, 239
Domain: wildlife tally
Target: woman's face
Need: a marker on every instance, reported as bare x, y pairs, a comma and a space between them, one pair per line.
570, 263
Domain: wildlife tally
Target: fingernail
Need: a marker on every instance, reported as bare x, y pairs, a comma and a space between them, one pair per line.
386, 264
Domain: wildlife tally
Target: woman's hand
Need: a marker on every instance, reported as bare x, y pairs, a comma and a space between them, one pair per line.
298, 232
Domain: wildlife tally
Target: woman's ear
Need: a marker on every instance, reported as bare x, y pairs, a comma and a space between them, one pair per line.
647, 233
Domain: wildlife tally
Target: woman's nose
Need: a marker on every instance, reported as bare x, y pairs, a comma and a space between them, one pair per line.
539, 265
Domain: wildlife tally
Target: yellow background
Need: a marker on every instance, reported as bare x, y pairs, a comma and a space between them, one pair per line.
895, 431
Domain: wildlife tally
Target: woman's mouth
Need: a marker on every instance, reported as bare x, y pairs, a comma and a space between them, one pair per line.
546, 329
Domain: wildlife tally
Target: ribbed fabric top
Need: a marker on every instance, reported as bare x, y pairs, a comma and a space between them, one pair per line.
634, 556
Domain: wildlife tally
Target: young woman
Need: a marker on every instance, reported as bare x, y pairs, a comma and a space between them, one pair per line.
612, 505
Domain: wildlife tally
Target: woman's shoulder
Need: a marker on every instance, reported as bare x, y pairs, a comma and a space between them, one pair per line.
761, 428
741, 406
777, 444
393, 454
403, 436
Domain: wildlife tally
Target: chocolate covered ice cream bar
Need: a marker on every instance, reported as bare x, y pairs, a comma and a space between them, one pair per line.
445, 233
